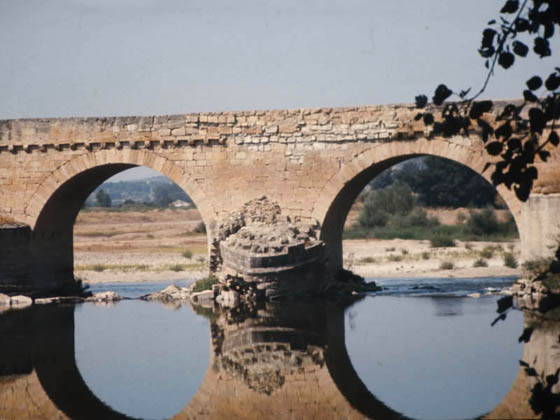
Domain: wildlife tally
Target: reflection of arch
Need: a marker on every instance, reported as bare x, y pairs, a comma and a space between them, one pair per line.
53, 208
345, 377
56, 368
45, 336
340, 192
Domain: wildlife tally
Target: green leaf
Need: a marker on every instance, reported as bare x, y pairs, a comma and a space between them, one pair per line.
534, 83
511, 6
520, 48
421, 101
494, 148
428, 118
553, 138
479, 108
530, 96
542, 47
537, 120
544, 155
552, 82
506, 60
441, 94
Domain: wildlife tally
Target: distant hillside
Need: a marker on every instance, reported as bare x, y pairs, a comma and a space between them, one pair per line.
159, 189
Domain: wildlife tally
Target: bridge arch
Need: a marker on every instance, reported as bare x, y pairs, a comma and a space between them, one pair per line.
342, 189
55, 204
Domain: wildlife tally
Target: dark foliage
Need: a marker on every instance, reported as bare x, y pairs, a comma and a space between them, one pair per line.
165, 194
444, 183
102, 199
523, 132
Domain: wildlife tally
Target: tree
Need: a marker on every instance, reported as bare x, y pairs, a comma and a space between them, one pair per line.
165, 194
444, 183
103, 199
380, 205
522, 132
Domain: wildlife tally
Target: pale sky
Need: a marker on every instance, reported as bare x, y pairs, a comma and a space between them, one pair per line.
143, 57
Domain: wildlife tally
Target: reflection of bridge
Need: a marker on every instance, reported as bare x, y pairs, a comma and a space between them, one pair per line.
313, 162
280, 365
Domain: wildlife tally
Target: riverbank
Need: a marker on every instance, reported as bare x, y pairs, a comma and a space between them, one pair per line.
162, 245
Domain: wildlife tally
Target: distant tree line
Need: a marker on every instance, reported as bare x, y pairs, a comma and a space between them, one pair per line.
154, 192
439, 182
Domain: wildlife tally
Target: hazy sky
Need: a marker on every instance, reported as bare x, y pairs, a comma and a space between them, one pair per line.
141, 57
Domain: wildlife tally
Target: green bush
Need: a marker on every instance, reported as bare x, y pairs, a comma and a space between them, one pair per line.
177, 267
380, 204
187, 253
426, 255
367, 260
441, 242
200, 228
205, 283
446, 265
417, 217
481, 262
394, 258
483, 222
487, 252
510, 260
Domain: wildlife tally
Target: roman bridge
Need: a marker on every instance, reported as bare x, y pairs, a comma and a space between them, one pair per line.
313, 162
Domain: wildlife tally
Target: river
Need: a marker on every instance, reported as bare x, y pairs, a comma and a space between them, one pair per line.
418, 349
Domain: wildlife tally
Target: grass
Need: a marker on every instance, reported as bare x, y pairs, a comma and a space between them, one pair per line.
426, 255
510, 260
367, 260
395, 258
205, 283
441, 242
187, 254
140, 267
446, 265
481, 262
458, 232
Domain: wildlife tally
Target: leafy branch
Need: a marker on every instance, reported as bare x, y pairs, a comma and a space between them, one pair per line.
519, 133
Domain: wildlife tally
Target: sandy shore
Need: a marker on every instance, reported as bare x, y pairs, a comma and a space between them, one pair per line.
160, 245
415, 259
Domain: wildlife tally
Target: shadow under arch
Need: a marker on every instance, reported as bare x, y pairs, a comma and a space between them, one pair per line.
344, 187
53, 208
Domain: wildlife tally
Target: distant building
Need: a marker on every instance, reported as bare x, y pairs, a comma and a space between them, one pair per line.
180, 204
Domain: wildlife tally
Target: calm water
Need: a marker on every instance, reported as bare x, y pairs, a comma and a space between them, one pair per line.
419, 349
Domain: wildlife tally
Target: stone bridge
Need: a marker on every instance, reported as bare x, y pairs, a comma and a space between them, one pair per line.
313, 162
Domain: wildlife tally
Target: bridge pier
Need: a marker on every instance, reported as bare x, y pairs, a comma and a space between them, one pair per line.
540, 226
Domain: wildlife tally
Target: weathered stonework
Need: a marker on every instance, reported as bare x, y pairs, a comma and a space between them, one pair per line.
312, 162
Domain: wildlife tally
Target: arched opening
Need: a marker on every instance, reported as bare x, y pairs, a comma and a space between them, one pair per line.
83, 228
440, 202
428, 321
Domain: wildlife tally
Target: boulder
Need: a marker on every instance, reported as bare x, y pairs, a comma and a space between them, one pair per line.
21, 301
104, 297
4, 300
206, 296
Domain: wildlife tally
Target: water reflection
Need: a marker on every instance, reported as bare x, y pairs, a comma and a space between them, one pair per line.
286, 360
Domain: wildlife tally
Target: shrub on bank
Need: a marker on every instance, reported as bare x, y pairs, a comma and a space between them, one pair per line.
481, 262
446, 265
510, 260
441, 242
205, 283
